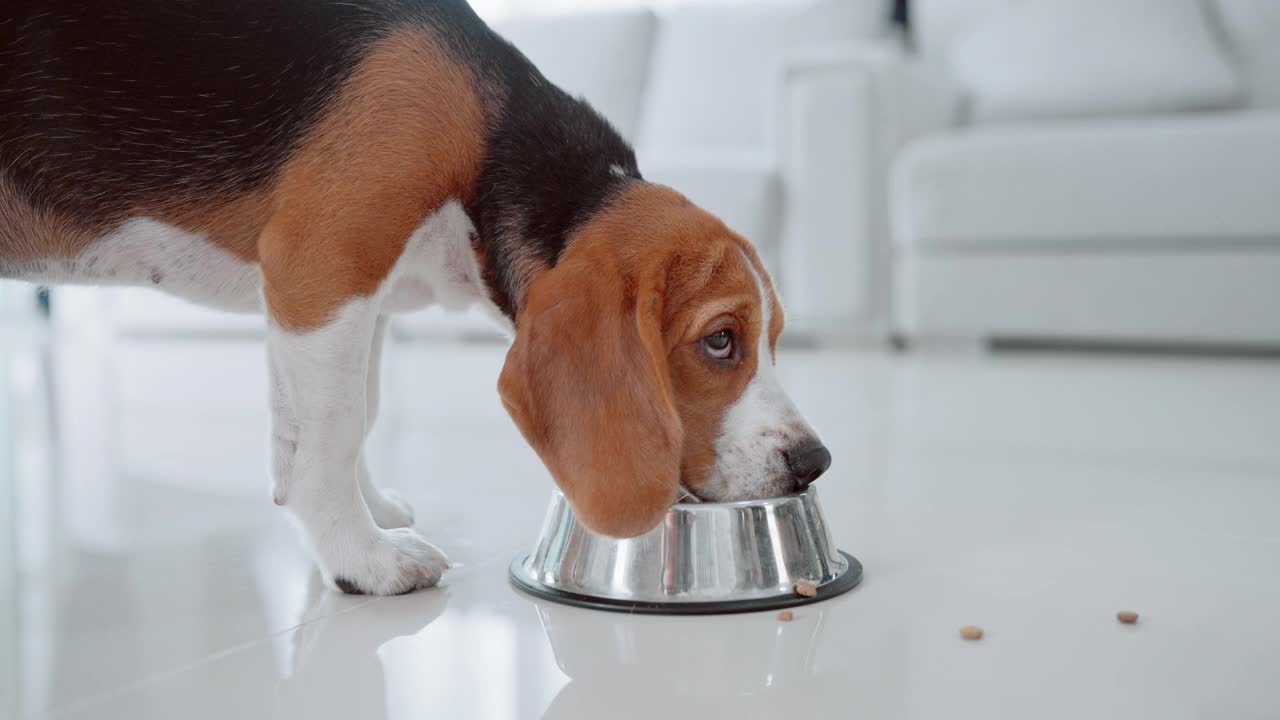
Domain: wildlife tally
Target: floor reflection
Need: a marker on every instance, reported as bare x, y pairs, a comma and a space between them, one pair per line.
621, 666
337, 669
103, 564
144, 572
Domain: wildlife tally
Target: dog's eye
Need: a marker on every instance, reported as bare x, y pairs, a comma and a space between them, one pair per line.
719, 345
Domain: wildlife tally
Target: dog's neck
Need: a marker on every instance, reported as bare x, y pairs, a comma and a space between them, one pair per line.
551, 163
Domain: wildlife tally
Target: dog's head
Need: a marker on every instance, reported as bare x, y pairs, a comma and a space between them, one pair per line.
644, 363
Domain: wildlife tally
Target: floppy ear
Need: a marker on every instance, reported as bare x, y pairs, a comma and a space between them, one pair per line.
586, 382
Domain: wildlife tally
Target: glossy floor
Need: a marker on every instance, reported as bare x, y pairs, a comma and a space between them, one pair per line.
147, 575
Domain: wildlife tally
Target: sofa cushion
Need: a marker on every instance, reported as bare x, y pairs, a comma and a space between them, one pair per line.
1253, 27
1200, 296
603, 57
1058, 58
716, 69
1209, 179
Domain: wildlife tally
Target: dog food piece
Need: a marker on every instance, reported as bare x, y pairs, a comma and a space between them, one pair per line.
804, 589
786, 616
1128, 617
971, 632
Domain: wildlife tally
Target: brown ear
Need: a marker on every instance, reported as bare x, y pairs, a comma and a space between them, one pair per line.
586, 382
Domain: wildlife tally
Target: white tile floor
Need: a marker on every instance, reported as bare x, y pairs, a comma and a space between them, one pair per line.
147, 575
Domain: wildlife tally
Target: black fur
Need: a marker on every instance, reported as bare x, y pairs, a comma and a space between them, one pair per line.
550, 158
110, 104
347, 586
107, 105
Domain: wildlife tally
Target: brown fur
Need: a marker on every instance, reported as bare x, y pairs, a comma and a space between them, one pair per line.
233, 225
606, 378
28, 233
723, 296
405, 137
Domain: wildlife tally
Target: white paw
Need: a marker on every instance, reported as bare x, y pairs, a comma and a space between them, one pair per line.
397, 561
389, 509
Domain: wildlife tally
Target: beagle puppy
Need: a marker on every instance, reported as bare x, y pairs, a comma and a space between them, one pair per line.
330, 162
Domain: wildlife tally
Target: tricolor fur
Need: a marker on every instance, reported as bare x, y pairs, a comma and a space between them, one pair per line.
330, 162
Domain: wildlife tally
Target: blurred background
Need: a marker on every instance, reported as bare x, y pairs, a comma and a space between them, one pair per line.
983, 177
983, 170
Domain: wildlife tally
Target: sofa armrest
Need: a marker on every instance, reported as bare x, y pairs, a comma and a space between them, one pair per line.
845, 113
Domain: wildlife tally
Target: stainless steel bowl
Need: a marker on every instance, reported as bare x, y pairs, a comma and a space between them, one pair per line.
704, 558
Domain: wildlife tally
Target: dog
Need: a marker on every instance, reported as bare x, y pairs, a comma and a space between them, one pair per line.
331, 162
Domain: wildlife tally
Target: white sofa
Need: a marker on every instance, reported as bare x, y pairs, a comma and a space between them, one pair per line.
1136, 204
753, 110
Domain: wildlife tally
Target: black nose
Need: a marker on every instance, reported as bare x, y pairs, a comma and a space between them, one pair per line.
807, 461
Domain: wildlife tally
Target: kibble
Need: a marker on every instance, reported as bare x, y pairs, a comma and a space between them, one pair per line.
804, 589
971, 632
1128, 617
786, 616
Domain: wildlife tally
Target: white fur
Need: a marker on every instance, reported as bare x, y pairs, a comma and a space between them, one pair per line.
325, 400
439, 267
320, 421
756, 428
388, 509
142, 251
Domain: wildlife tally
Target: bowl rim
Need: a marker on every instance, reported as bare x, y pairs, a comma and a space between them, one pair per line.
837, 586
775, 500
704, 504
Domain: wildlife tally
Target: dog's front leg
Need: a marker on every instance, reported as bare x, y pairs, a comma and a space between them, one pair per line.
388, 508
320, 416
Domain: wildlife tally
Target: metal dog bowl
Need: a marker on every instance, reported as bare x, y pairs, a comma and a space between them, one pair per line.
704, 558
